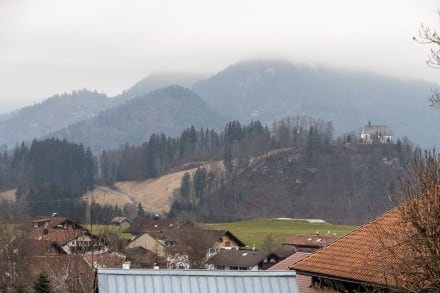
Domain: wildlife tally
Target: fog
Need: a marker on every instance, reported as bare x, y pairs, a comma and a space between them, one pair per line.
49, 47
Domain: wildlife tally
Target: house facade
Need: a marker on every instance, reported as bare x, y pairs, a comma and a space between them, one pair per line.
375, 134
357, 262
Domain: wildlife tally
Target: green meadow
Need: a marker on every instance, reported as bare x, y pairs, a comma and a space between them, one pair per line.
253, 231
257, 231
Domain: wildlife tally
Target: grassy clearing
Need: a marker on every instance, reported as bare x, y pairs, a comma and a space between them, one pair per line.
255, 231
103, 229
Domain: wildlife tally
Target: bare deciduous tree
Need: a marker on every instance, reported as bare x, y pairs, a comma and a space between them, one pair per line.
414, 243
431, 37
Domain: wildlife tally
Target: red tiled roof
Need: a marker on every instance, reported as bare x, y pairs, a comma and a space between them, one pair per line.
59, 236
234, 257
291, 260
359, 256
105, 259
311, 240
148, 225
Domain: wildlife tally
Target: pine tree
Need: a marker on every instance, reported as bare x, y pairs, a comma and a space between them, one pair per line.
42, 285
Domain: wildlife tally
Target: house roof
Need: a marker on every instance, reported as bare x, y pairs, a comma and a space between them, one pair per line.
195, 281
310, 240
141, 258
59, 236
33, 247
284, 252
358, 257
52, 222
240, 258
291, 260
376, 129
120, 219
214, 235
147, 225
105, 259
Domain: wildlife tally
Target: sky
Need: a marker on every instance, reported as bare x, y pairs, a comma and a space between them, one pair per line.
51, 47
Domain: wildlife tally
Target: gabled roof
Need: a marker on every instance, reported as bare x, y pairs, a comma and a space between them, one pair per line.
358, 257
240, 258
195, 281
376, 129
304, 282
284, 252
59, 236
105, 259
120, 220
33, 247
142, 258
144, 225
288, 262
214, 235
310, 240
52, 222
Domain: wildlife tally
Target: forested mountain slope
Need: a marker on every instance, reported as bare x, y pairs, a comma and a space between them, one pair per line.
270, 90
167, 110
54, 113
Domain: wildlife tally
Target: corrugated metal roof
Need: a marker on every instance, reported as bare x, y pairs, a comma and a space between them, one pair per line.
195, 281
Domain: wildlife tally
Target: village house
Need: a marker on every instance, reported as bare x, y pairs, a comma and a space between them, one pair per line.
357, 261
71, 237
375, 134
174, 240
121, 221
302, 280
310, 243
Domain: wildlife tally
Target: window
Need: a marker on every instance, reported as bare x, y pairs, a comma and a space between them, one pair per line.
227, 243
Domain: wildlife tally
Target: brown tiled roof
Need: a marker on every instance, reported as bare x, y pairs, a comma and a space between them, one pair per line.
213, 236
147, 225
59, 236
310, 240
105, 259
284, 252
242, 258
120, 219
359, 256
291, 260
33, 247
143, 258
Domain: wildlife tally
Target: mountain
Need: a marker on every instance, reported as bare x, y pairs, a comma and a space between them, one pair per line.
60, 111
168, 110
270, 90
155, 81
54, 113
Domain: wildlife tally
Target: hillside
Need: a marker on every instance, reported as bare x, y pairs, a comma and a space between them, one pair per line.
339, 184
54, 113
156, 81
270, 90
167, 110
155, 195
256, 231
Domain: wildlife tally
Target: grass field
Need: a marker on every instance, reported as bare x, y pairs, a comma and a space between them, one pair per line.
255, 231
103, 229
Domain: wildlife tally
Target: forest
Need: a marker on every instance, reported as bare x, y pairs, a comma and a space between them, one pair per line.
51, 175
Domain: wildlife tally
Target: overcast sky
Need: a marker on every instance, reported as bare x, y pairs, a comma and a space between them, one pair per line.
49, 47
